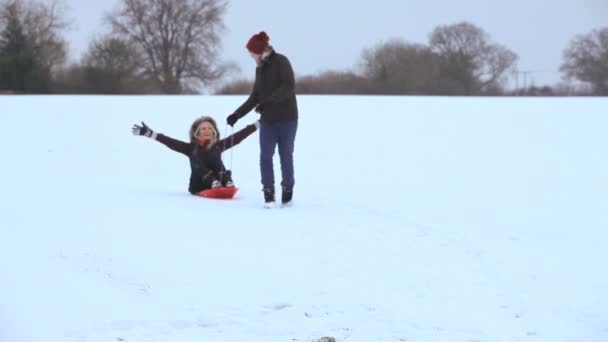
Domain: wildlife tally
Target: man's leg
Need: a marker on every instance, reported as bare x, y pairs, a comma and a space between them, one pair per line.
286, 149
268, 142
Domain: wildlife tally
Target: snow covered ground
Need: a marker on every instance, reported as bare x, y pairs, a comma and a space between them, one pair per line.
415, 219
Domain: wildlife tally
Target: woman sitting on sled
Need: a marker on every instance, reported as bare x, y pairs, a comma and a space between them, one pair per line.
204, 151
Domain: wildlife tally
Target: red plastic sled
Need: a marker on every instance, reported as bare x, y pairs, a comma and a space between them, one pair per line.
219, 193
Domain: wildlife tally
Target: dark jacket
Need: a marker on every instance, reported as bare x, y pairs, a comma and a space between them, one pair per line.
273, 91
204, 161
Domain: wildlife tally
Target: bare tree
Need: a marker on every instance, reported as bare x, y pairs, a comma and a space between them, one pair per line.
586, 59
111, 66
333, 82
469, 58
235, 87
398, 67
178, 39
114, 55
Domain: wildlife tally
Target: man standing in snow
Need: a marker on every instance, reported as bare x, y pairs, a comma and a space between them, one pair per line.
273, 97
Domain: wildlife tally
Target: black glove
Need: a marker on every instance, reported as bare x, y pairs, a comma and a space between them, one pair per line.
143, 130
232, 119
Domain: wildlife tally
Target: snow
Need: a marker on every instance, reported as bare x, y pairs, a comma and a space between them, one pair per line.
414, 219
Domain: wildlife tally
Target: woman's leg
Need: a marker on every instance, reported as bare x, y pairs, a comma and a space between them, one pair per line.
203, 175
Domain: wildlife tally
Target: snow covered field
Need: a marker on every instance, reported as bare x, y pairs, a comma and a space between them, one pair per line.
418, 219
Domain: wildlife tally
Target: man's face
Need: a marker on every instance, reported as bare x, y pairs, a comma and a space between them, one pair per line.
255, 57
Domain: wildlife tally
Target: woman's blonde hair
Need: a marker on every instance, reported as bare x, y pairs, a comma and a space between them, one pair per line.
196, 124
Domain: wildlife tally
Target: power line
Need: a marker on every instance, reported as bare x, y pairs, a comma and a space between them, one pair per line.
527, 74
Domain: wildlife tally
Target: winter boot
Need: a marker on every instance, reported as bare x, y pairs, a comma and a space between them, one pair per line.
210, 181
268, 197
286, 196
227, 179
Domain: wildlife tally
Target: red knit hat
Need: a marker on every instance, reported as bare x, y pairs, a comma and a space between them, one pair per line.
258, 43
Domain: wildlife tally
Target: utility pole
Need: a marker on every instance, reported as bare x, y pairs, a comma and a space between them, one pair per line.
524, 75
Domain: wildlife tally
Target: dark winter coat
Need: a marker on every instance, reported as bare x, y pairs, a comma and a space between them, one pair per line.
205, 161
273, 91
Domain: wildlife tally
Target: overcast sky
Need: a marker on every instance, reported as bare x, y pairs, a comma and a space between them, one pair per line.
320, 35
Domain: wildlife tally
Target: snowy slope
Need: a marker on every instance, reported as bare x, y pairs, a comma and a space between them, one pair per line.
415, 219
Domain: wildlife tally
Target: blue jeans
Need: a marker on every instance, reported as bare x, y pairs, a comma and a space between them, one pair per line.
282, 134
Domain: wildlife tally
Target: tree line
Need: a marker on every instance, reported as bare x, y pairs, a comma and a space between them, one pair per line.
172, 47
